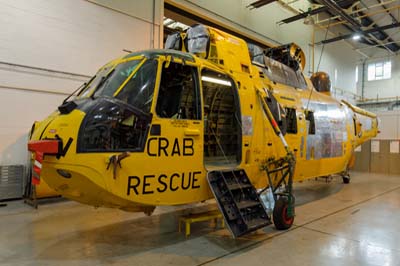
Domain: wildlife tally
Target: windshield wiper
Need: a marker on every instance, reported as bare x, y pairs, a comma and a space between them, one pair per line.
78, 89
101, 83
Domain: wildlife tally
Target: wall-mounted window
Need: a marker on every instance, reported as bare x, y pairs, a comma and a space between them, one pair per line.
380, 70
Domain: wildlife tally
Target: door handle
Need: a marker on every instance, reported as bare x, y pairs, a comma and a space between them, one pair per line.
192, 132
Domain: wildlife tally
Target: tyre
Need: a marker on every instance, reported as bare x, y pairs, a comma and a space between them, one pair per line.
281, 219
346, 179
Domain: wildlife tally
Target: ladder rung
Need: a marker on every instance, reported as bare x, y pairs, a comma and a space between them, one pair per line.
247, 204
239, 186
257, 223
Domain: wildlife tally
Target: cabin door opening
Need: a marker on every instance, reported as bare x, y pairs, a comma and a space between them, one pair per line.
222, 120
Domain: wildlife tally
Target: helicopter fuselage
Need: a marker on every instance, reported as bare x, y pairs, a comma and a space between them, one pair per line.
150, 126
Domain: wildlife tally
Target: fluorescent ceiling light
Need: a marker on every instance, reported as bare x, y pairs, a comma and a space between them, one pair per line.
217, 81
356, 37
172, 24
167, 21
178, 25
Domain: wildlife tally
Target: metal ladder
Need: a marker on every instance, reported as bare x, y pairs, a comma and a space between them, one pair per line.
238, 201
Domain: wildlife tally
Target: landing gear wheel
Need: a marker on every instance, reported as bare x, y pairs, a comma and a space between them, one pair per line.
281, 219
346, 179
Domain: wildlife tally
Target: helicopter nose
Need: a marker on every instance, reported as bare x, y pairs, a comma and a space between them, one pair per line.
40, 148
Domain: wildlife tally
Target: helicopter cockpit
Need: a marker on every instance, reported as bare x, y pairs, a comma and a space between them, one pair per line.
127, 96
117, 104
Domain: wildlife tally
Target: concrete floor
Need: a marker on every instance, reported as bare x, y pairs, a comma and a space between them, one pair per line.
336, 224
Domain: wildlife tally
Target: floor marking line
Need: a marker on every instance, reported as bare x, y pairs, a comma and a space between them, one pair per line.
349, 239
298, 226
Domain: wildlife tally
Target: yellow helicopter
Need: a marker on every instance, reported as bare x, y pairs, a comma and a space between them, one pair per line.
209, 117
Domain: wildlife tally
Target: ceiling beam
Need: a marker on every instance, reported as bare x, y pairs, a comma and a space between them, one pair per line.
339, 11
303, 15
389, 13
311, 12
348, 36
373, 46
354, 24
260, 3
358, 11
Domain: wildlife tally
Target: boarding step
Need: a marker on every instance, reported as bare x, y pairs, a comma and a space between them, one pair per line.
238, 201
200, 217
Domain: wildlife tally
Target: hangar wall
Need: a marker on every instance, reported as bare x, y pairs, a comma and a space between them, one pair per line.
339, 60
49, 48
381, 88
382, 154
389, 125
384, 157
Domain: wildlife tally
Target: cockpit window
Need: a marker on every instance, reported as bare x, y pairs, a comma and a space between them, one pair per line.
110, 83
119, 121
94, 81
138, 91
111, 125
178, 97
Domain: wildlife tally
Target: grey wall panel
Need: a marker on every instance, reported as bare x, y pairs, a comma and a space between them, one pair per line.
363, 158
394, 163
380, 160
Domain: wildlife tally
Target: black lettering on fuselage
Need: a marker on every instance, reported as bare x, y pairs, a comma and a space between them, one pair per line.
180, 147
149, 147
134, 187
147, 184
165, 186
171, 181
195, 180
189, 180
176, 148
188, 147
163, 147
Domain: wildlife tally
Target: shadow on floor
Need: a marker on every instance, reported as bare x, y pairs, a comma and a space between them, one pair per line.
312, 190
153, 234
158, 234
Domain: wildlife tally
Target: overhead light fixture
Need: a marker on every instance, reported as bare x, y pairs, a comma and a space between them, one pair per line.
216, 81
309, 20
356, 37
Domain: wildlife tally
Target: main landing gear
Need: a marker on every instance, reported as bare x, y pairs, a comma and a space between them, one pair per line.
280, 179
282, 220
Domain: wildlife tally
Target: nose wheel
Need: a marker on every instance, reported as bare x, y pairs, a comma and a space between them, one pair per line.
346, 179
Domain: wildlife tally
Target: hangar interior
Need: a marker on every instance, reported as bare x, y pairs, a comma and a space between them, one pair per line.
49, 48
